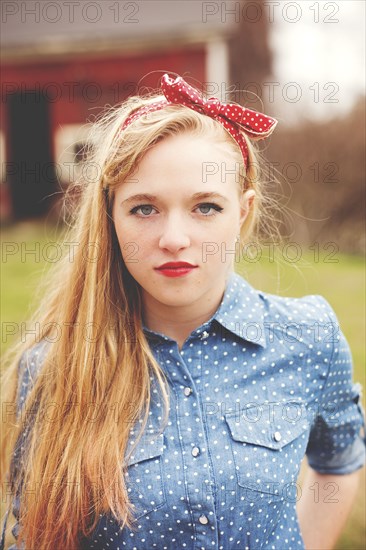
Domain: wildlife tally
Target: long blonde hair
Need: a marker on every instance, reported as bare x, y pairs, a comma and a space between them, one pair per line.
67, 457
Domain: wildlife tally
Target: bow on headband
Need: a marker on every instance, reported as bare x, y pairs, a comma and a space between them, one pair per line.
232, 117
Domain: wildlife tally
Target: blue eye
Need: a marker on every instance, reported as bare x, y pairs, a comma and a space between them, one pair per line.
210, 206
141, 206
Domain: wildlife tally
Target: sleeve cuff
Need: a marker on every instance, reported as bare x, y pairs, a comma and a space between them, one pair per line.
346, 462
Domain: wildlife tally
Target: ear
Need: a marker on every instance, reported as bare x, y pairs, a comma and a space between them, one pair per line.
246, 202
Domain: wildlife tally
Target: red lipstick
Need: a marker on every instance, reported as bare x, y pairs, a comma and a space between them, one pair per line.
175, 269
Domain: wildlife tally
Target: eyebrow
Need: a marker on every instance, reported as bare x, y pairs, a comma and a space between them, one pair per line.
152, 198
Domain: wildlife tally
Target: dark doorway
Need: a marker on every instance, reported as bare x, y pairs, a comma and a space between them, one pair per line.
30, 169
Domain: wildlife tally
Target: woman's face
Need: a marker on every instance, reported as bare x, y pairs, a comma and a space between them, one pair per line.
189, 212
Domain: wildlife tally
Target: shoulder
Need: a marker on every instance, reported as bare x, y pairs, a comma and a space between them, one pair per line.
310, 326
273, 307
32, 357
303, 310
309, 318
306, 324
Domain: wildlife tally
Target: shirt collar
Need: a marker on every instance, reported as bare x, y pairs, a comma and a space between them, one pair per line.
241, 312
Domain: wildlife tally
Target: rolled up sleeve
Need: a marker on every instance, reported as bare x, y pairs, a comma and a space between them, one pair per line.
337, 439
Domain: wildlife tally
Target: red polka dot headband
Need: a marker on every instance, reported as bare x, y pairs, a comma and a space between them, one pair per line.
232, 117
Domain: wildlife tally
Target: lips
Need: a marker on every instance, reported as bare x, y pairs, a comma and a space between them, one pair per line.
176, 269
176, 265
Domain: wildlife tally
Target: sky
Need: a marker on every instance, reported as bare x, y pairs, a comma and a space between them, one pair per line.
319, 58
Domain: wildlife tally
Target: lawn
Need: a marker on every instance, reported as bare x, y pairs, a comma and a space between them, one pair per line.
27, 254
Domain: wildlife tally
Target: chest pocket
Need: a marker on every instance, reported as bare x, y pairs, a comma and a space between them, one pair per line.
267, 455
144, 477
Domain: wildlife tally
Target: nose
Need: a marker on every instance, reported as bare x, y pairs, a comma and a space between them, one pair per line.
174, 235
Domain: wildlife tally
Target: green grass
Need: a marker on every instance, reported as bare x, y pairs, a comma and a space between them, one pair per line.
26, 254
341, 282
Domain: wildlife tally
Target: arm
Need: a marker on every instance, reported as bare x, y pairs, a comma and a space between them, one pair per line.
323, 509
336, 447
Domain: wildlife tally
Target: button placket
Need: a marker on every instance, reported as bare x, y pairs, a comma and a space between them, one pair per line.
193, 441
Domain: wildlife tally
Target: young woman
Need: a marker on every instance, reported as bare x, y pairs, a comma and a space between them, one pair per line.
169, 404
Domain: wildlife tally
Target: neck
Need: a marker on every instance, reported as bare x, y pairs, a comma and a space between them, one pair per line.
178, 322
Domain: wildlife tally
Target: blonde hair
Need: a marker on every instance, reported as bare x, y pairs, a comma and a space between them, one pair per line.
113, 367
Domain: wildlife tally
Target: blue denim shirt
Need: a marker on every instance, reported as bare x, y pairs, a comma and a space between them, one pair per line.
266, 380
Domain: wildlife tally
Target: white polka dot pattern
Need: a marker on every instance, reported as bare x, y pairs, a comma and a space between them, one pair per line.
231, 116
266, 380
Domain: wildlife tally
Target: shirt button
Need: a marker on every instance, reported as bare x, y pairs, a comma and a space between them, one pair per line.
205, 334
187, 391
277, 436
195, 451
203, 519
